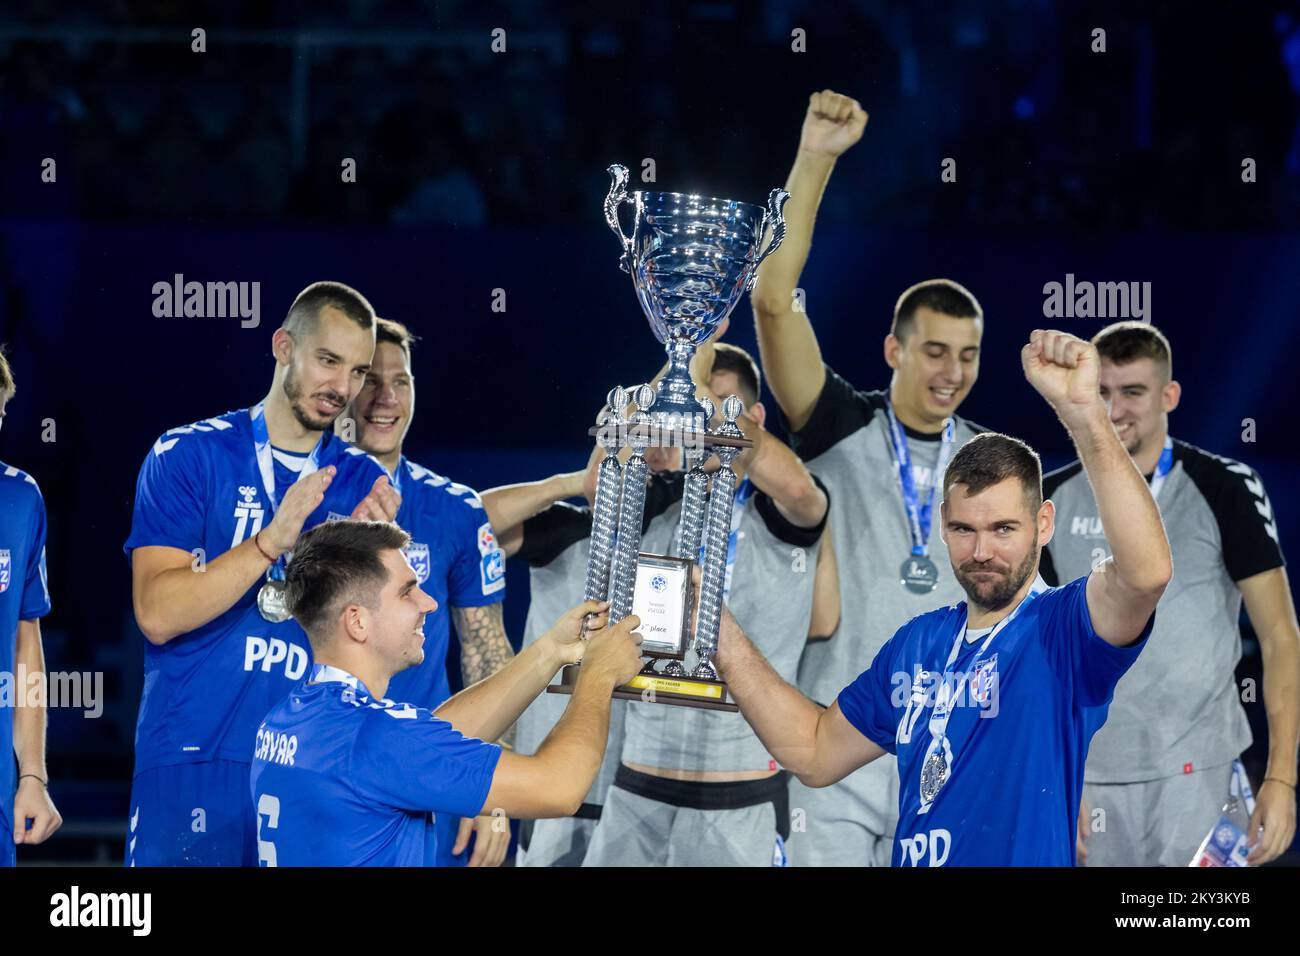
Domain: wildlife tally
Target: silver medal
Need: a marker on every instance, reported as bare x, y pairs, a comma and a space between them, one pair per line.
934, 774
919, 574
272, 603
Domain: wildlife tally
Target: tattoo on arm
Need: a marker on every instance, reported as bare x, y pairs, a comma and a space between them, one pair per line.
484, 647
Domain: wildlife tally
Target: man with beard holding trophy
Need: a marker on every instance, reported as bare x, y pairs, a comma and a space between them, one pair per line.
990, 704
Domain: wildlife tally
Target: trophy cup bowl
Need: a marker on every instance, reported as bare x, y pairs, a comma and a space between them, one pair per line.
691, 258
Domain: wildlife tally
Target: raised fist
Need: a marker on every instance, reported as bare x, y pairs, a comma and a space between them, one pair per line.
833, 123
1063, 368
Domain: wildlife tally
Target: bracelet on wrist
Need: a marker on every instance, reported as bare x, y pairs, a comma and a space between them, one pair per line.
258, 544
1281, 781
44, 783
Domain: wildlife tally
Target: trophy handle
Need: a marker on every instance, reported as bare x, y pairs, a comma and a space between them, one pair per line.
618, 195
774, 218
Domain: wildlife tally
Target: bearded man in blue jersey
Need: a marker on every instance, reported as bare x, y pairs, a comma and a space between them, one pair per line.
219, 507
990, 704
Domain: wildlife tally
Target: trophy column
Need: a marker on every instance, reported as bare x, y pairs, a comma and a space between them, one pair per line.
695, 503
631, 511
604, 512
721, 501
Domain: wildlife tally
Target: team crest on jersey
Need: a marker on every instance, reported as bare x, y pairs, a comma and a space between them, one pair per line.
418, 555
6, 572
984, 679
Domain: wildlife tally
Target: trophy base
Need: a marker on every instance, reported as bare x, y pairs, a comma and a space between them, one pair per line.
659, 689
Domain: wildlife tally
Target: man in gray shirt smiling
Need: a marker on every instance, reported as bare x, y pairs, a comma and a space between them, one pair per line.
1165, 762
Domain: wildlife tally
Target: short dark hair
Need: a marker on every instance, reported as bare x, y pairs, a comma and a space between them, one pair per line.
991, 458
6, 373
306, 309
732, 358
1125, 342
939, 295
388, 330
338, 563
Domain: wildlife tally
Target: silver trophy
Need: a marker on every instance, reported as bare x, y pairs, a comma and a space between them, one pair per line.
691, 258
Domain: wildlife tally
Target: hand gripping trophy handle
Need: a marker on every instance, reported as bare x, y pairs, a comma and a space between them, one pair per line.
618, 195
775, 218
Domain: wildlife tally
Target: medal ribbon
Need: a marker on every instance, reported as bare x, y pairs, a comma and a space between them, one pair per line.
1163, 467
266, 468
942, 712
918, 514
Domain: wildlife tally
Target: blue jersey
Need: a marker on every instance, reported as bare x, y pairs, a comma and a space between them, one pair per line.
458, 561
1022, 710
24, 596
200, 490
341, 779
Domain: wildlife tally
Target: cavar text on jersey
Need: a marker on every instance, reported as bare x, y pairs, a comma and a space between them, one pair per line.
275, 748
268, 652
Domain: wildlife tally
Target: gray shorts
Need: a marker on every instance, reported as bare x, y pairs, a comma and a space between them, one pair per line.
1156, 822
649, 821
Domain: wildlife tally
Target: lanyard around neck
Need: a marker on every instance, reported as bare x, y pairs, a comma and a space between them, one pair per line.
265, 462
918, 513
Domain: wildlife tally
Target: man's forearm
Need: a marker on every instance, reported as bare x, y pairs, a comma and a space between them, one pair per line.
575, 747
784, 719
511, 505
1129, 516
30, 716
484, 647
1281, 660
779, 274
778, 473
489, 707
178, 600
787, 344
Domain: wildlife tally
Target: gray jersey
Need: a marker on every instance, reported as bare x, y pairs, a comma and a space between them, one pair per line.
1178, 707
771, 596
846, 442
555, 547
